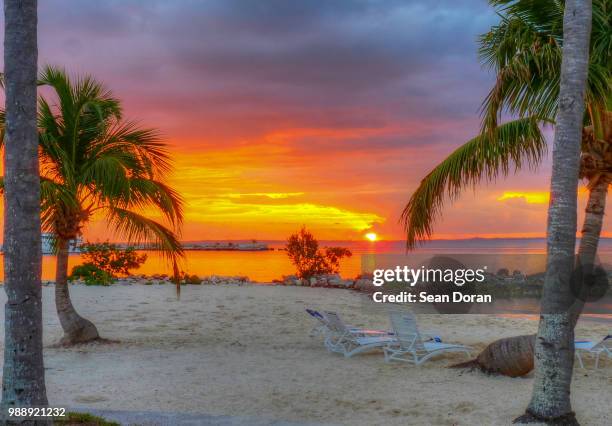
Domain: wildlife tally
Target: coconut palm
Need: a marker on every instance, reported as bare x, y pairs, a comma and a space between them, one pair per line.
93, 162
23, 380
524, 50
554, 345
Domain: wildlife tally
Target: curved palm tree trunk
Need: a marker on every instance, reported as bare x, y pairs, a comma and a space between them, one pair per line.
554, 345
589, 240
513, 356
76, 328
23, 380
593, 222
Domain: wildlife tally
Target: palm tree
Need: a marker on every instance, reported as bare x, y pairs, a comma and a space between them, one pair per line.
23, 380
524, 49
554, 346
96, 163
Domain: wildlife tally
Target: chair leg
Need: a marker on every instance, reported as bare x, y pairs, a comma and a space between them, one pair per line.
597, 360
580, 360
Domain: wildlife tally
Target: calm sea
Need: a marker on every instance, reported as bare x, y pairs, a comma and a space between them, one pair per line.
264, 266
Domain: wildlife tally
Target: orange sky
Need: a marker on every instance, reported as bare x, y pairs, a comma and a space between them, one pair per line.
281, 114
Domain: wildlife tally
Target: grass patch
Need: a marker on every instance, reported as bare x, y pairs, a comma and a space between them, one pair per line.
72, 418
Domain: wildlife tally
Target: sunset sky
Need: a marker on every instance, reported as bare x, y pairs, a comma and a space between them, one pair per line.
282, 113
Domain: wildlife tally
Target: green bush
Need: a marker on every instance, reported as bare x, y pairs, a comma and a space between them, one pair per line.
91, 275
72, 418
112, 259
104, 261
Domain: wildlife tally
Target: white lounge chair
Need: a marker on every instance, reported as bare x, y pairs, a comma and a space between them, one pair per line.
594, 348
323, 327
352, 341
409, 346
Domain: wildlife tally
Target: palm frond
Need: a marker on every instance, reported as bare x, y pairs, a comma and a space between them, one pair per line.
143, 194
145, 145
525, 49
55, 198
137, 229
513, 145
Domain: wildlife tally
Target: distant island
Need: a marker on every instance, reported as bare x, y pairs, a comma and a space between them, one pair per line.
227, 246
211, 246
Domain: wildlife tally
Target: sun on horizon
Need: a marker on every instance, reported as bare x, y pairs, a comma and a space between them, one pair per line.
371, 236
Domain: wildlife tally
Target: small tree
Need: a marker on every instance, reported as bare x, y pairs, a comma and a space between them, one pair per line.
103, 262
110, 258
303, 250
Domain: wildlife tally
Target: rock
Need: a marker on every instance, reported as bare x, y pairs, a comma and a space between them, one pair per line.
333, 280
503, 272
289, 279
220, 280
364, 284
347, 283
518, 277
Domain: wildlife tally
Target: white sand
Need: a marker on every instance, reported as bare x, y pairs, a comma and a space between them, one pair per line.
246, 351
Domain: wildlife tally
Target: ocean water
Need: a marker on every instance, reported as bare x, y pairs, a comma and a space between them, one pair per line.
265, 266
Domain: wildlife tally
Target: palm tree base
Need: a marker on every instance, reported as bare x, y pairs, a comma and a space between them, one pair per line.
568, 419
84, 331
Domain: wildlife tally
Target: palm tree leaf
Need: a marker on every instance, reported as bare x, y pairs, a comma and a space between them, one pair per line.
137, 229
52, 195
517, 143
144, 194
524, 50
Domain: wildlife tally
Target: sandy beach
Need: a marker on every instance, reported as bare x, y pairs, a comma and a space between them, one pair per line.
245, 350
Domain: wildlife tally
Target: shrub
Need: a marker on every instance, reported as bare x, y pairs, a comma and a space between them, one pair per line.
185, 278
112, 259
104, 261
91, 275
72, 418
193, 279
303, 250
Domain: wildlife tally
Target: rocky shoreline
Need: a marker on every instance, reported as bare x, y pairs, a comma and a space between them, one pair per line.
502, 284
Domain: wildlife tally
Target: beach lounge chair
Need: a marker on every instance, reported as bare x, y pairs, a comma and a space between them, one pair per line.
352, 341
594, 348
409, 346
323, 327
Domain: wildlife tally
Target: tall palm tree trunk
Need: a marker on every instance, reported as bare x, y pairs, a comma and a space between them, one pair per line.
76, 328
23, 381
554, 345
